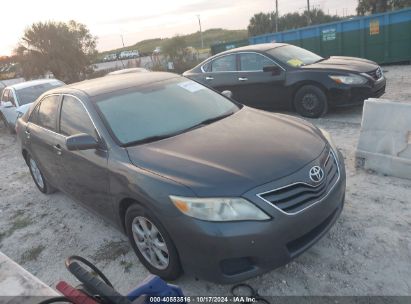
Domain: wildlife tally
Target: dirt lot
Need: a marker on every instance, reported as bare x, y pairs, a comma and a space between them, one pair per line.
367, 252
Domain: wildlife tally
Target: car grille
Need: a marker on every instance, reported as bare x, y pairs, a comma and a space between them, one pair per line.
296, 197
376, 74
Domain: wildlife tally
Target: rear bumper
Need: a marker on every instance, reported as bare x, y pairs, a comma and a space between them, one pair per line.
235, 251
343, 96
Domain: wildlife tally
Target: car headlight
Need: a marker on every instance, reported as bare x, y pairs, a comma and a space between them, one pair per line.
19, 114
349, 79
219, 209
330, 141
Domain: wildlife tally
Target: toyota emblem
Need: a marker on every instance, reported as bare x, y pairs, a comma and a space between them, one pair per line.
316, 174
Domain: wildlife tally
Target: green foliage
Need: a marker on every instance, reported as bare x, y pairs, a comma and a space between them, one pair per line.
182, 56
263, 23
210, 37
64, 49
380, 6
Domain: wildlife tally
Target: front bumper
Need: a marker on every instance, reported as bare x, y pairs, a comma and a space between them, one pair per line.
235, 251
344, 95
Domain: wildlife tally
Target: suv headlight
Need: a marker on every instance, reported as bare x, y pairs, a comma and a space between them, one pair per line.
219, 209
349, 79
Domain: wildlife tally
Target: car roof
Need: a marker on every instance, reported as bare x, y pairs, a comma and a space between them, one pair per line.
104, 85
254, 48
130, 70
31, 83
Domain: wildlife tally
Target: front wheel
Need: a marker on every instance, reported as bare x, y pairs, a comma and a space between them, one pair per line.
310, 101
151, 243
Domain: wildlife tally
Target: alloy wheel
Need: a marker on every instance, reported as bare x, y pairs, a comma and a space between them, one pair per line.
36, 173
150, 242
309, 101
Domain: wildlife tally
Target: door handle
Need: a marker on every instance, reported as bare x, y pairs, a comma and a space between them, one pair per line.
27, 134
209, 78
242, 78
58, 149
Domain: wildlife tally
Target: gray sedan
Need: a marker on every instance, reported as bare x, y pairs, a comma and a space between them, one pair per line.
198, 183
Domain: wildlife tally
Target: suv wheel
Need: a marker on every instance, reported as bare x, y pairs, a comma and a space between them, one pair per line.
151, 243
310, 101
38, 177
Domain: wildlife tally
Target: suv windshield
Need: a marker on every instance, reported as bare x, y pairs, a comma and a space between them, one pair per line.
30, 94
162, 109
294, 56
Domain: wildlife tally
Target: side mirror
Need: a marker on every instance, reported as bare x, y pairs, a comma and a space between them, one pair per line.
274, 69
7, 104
81, 142
227, 93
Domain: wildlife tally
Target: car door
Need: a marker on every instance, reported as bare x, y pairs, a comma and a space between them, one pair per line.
42, 138
84, 173
257, 88
220, 73
9, 111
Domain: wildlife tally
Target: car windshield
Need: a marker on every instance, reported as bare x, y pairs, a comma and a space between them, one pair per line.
294, 56
161, 109
30, 94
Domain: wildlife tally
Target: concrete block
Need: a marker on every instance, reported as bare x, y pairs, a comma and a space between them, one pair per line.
385, 139
19, 286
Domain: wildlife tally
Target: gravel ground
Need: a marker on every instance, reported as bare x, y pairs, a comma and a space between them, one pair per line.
367, 252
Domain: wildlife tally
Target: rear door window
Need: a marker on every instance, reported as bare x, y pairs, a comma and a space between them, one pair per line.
254, 62
47, 116
34, 116
74, 119
225, 64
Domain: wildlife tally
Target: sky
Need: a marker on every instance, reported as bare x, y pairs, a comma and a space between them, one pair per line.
137, 20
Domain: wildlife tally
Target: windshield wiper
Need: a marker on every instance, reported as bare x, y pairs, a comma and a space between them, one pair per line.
322, 59
148, 140
214, 119
159, 137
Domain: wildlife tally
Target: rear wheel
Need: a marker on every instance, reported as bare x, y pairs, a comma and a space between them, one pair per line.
310, 101
151, 243
38, 176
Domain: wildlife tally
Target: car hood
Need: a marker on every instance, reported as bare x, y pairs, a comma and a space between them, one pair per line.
345, 64
233, 155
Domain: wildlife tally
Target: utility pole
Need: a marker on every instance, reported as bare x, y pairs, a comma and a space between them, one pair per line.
201, 32
122, 41
308, 12
276, 16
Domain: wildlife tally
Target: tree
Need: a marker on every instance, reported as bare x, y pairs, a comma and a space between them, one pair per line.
380, 6
64, 49
263, 23
175, 48
176, 51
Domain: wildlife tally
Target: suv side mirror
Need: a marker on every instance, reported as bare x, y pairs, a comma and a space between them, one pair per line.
274, 69
81, 142
227, 93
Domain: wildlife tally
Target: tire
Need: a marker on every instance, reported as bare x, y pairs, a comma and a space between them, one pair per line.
310, 101
156, 244
38, 177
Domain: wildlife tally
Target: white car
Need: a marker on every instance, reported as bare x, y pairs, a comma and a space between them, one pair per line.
17, 99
